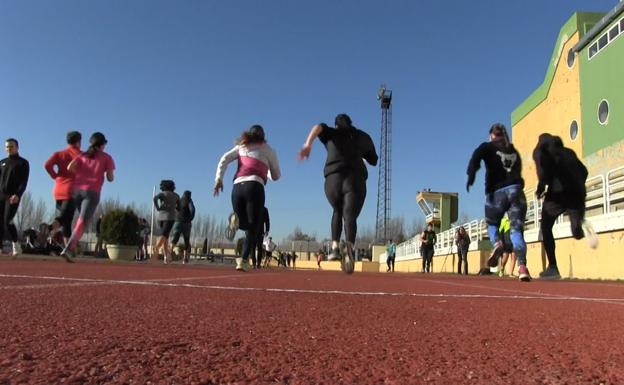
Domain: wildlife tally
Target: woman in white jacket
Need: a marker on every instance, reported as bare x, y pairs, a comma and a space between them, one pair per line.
257, 163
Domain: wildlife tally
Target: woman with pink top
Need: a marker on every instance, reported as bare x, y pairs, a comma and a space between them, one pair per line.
257, 162
89, 169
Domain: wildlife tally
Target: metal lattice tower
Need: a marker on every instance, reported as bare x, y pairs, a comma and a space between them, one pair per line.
385, 166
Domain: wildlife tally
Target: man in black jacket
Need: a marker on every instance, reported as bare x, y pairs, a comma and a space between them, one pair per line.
14, 172
504, 194
183, 223
561, 170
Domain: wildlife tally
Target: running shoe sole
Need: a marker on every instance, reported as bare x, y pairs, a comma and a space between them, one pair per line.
493, 260
592, 238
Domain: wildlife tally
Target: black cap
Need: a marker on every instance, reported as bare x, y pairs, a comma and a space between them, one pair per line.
98, 139
73, 137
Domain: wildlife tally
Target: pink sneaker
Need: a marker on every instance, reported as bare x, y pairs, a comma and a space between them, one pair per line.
523, 273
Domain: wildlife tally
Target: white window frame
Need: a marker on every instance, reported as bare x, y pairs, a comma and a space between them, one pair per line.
608, 112
619, 24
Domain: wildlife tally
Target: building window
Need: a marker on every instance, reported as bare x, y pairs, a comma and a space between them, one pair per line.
613, 32
593, 50
603, 41
571, 57
573, 130
622, 25
603, 112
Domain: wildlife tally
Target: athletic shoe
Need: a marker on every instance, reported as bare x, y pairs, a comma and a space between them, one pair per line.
551, 272
242, 265
17, 249
348, 261
592, 238
68, 255
523, 273
335, 255
495, 257
230, 231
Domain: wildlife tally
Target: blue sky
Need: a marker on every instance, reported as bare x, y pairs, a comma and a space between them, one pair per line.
173, 83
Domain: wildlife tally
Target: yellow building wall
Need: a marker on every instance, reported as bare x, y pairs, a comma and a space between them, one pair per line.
553, 115
575, 259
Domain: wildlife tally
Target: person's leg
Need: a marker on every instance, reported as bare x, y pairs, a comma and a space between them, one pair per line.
393, 259
496, 204
388, 262
465, 258
88, 202
254, 206
334, 194
354, 196
423, 255
239, 203
165, 240
9, 215
4, 207
517, 216
186, 234
65, 210
550, 211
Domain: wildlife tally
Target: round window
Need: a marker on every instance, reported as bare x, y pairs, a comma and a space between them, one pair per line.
571, 57
573, 130
603, 112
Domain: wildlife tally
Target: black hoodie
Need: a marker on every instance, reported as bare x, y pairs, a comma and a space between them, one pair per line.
503, 166
559, 168
14, 172
346, 147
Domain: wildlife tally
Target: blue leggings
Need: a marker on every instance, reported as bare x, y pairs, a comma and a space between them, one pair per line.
510, 200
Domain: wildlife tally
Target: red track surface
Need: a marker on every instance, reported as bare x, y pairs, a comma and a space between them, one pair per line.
137, 324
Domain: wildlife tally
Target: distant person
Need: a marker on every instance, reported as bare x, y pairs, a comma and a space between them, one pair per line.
269, 247
14, 171
183, 224
462, 241
56, 166
288, 258
293, 259
320, 256
345, 179
144, 233
390, 255
504, 232
99, 248
256, 258
428, 240
257, 163
559, 169
166, 203
89, 169
504, 194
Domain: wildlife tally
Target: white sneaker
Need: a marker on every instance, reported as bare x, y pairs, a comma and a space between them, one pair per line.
242, 265
592, 238
17, 249
230, 231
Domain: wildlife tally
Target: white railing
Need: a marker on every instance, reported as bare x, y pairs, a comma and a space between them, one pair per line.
604, 195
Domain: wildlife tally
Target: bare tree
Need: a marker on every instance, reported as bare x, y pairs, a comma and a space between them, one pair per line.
417, 227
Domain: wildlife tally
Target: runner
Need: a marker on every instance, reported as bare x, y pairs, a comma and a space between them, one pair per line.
345, 179
504, 194
89, 169
183, 223
14, 171
56, 166
560, 169
257, 162
167, 203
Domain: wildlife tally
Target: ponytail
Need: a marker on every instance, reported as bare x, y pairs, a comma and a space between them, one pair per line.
255, 134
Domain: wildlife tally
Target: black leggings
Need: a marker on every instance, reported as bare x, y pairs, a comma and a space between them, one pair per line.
346, 194
7, 212
427, 258
553, 206
462, 258
248, 204
65, 210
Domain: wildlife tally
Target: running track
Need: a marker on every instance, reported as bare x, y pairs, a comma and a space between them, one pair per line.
105, 323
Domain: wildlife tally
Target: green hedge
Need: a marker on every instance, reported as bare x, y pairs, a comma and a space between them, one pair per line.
120, 227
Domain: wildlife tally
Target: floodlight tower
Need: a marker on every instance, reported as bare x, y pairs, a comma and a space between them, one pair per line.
385, 166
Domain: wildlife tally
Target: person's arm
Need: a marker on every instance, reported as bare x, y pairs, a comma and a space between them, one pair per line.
473, 166
305, 151
21, 188
157, 198
435, 238
370, 155
274, 168
226, 159
267, 220
110, 168
49, 165
192, 209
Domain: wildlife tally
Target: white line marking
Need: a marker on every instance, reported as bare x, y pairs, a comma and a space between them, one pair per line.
618, 301
52, 285
239, 275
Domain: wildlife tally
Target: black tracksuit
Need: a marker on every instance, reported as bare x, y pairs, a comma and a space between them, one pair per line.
561, 170
14, 172
345, 175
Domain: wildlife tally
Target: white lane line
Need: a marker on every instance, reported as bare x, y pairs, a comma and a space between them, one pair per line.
618, 301
52, 285
493, 288
239, 275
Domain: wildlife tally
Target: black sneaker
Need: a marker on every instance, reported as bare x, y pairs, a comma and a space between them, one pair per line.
551, 272
348, 261
495, 257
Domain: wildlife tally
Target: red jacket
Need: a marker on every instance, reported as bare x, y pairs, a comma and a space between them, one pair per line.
64, 178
